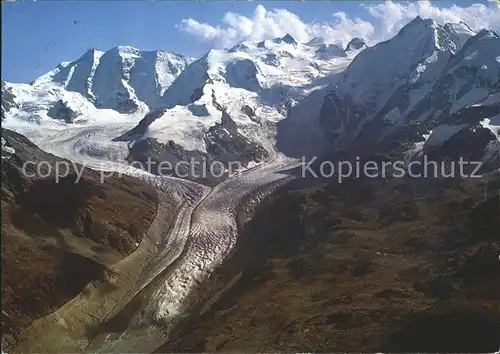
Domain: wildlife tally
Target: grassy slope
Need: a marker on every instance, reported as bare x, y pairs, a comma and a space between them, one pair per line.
57, 237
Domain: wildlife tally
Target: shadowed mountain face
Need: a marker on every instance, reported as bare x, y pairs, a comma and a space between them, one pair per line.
7, 99
434, 86
59, 236
223, 143
367, 266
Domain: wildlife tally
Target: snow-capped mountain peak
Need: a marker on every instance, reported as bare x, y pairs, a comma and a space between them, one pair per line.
254, 67
356, 44
417, 24
74, 76
287, 38
315, 41
442, 81
286, 41
448, 37
252, 83
389, 79
123, 78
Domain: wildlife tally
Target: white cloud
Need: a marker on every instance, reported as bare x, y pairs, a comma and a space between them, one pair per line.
392, 16
383, 20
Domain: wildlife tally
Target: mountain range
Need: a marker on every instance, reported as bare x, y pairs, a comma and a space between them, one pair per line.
435, 81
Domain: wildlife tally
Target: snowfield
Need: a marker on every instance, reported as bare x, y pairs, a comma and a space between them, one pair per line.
253, 82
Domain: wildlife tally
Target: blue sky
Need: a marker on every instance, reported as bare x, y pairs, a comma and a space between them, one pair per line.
36, 36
